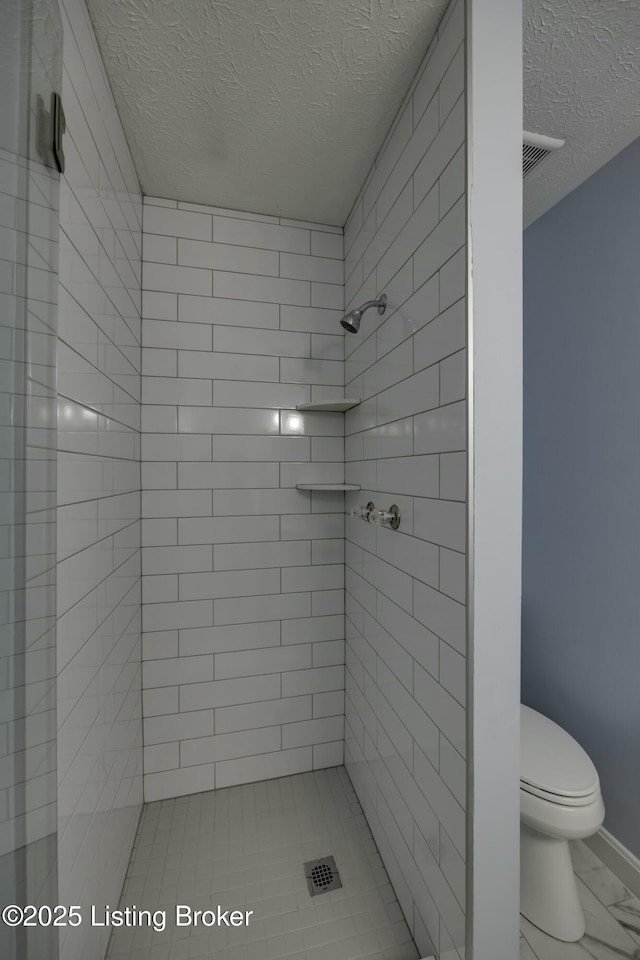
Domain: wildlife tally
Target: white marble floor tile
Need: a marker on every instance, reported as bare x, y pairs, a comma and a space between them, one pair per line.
605, 938
628, 914
600, 880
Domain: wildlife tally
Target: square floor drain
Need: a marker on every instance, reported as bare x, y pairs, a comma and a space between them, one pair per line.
322, 875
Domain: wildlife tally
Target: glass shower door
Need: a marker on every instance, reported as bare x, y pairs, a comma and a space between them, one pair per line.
30, 75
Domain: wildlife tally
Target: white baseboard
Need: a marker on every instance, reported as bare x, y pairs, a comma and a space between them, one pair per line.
614, 855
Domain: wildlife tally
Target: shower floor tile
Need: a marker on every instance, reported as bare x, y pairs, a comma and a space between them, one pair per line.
244, 848
612, 916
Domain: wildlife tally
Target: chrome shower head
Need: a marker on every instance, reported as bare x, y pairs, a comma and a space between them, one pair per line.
351, 322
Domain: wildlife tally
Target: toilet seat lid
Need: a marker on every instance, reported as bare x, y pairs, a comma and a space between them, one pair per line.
551, 760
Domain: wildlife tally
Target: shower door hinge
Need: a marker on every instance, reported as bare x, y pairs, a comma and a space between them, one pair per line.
50, 127
59, 127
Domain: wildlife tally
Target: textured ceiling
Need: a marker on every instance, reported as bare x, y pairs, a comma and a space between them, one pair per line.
272, 106
582, 83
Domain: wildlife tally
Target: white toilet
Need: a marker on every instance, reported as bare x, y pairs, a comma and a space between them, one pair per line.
560, 800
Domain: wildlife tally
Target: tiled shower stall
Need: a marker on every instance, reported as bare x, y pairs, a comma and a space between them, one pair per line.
243, 575
223, 618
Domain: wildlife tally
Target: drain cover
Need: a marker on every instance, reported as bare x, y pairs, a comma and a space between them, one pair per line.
322, 875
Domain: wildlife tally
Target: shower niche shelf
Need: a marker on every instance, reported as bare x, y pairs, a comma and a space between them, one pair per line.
328, 486
330, 406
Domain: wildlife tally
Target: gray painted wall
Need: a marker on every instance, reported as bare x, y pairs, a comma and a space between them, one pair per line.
581, 552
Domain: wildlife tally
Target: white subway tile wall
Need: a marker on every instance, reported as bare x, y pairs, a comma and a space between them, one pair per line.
243, 576
99, 576
405, 624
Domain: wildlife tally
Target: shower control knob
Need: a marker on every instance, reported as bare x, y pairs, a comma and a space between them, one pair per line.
362, 513
386, 518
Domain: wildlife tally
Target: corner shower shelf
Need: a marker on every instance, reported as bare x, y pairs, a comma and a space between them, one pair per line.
330, 406
327, 486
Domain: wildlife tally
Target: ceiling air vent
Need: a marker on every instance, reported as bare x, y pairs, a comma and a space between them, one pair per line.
535, 147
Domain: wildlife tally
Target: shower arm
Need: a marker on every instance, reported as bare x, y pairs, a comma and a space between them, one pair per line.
371, 303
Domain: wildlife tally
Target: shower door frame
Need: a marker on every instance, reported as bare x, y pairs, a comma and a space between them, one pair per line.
32, 55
